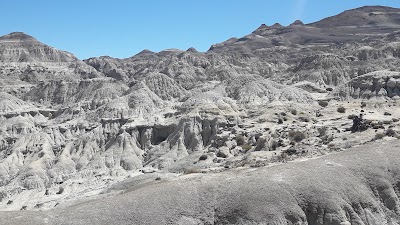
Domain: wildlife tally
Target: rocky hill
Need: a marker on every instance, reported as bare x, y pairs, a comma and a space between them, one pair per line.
70, 129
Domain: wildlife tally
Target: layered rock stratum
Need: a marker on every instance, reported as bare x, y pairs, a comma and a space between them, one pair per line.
73, 130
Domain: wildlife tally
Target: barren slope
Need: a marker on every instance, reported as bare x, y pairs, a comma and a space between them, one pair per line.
359, 186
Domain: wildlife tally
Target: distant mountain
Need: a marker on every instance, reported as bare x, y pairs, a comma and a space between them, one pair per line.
20, 47
24, 58
351, 26
364, 16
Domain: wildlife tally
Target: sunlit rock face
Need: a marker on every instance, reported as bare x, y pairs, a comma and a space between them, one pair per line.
95, 121
374, 84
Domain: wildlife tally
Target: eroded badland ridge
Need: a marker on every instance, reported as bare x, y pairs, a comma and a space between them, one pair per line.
226, 136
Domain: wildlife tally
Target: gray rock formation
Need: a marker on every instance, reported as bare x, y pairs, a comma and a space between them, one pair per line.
371, 85
359, 186
66, 122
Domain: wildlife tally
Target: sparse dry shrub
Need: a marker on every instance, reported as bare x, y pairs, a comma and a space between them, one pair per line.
246, 147
379, 136
390, 132
326, 139
239, 140
352, 116
274, 145
203, 157
296, 136
304, 119
341, 109
363, 104
323, 103
331, 146
3, 195
60, 190
191, 170
39, 205
283, 157
321, 131
291, 151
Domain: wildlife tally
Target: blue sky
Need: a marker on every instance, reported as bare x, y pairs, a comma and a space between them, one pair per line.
122, 28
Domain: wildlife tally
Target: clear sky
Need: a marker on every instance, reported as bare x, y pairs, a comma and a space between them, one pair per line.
122, 28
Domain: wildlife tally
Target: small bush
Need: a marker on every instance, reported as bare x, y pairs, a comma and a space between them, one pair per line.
158, 178
280, 121
9, 202
363, 104
293, 111
39, 205
296, 136
274, 145
341, 109
326, 139
379, 136
291, 151
24, 207
390, 132
239, 139
60, 190
3, 195
322, 131
323, 103
352, 116
304, 119
283, 157
246, 147
329, 89
331, 146
191, 170
203, 157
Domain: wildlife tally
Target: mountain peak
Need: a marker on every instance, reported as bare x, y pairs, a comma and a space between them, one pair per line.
297, 23
145, 52
191, 49
263, 26
374, 8
17, 36
362, 16
276, 25
21, 47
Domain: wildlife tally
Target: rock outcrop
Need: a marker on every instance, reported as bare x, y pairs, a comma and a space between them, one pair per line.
378, 84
